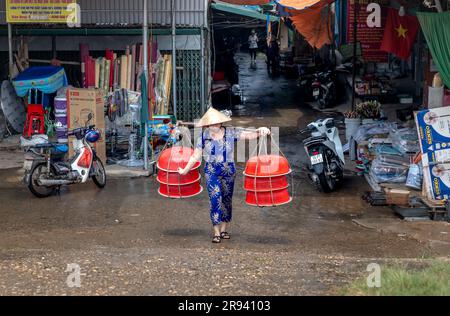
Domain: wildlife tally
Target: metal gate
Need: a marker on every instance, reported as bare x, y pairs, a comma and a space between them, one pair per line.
189, 86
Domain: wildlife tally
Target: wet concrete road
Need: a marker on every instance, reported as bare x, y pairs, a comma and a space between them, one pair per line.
127, 239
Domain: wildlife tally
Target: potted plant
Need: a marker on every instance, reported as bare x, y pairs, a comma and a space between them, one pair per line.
369, 111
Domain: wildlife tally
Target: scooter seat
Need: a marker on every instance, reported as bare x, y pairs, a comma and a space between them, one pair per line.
46, 145
58, 148
314, 140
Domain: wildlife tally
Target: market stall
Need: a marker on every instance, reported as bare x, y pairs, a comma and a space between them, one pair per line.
136, 78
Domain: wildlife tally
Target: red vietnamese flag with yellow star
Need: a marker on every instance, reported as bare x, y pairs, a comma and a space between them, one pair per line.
400, 34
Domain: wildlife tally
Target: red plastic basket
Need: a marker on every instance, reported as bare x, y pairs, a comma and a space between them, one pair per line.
180, 191
267, 166
174, 178
176, 157
268, 198
265, 183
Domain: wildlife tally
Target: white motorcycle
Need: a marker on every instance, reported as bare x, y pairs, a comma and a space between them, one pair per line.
46, 170
326, 155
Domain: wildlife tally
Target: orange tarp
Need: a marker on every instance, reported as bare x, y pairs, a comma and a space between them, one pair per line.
311, 18
298, 4
314, 24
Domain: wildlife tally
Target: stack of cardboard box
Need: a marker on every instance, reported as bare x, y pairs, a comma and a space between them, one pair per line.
80, 103
433, 126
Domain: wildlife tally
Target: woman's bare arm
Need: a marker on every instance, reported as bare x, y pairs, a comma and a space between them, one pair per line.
262, 131
192, 161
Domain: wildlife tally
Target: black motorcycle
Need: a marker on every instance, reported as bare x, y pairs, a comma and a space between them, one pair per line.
307, 76
324, 88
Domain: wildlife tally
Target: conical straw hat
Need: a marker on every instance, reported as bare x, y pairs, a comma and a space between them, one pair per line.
211, 117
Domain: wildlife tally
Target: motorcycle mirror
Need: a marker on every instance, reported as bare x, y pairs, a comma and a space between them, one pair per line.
89, 118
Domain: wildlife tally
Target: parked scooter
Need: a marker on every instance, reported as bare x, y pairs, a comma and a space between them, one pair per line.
323, 84
326, 155
324, 88
46, 170
305, 81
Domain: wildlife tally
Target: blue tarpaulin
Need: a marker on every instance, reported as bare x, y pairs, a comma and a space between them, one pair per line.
47, 79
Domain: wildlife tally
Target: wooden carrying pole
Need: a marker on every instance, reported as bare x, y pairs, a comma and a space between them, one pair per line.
46, 61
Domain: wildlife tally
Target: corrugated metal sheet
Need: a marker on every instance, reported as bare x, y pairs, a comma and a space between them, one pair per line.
188, 13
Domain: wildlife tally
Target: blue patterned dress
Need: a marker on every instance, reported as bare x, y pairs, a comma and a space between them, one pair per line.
220, 172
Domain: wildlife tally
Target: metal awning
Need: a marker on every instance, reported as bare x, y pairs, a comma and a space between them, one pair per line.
241, 10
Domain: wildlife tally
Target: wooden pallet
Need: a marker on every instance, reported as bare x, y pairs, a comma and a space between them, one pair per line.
436, 209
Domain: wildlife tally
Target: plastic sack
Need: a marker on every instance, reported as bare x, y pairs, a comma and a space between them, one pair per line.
405, 140
364, 132
384, 149
395, 160
62, 92
415, 177
388, 172
36, 139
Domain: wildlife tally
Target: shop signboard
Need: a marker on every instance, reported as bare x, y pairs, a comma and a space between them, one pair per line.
42, 11
371, 19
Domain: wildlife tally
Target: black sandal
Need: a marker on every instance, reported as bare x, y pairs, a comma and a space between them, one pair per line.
225, 235
216, 240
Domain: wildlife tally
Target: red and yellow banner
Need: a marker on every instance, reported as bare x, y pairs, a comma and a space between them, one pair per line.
370, 38
41, 11
400, 34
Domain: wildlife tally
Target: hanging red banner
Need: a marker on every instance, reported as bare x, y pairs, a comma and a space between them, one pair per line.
369, 36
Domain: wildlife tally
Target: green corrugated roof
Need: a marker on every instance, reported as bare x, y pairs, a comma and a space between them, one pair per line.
241, 10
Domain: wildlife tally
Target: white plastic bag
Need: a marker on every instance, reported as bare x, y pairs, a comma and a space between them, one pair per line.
35, 140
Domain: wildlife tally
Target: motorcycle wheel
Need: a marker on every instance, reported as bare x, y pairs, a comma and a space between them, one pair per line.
339, 181
99, 176
37, 190
322, 102
322, 99
331, 98
327, 183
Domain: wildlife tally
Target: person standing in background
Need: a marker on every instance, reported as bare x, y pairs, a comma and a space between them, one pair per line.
273, 53
253, 46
